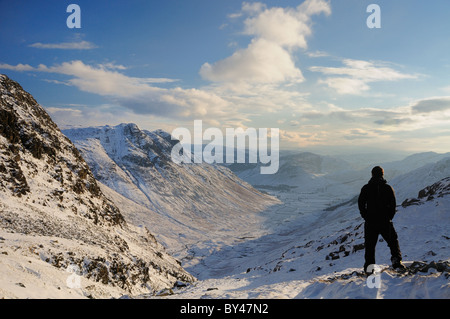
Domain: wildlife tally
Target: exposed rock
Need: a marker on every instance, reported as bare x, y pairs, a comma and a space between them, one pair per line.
436, 190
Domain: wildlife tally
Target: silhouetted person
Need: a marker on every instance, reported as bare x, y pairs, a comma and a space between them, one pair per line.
377, 205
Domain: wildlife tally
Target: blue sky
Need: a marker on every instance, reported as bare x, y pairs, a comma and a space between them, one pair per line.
311, 68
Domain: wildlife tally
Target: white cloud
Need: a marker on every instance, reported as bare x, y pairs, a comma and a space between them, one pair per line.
276, 33
314, 7
364, 70
317, 54
19, 67
72, 112
99, 80
346, 85
261, 62
280, 26
288, 27
252, 8
355, 76
81, 45
112, 66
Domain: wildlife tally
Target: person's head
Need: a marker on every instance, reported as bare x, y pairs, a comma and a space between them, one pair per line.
377, 172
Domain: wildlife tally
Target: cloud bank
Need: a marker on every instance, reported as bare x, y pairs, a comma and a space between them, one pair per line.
137, 94
356, 75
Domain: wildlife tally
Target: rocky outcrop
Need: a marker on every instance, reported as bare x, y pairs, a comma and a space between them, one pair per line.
436, 190
35, 157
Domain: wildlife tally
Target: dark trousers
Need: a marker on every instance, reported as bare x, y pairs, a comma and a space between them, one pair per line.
387, 231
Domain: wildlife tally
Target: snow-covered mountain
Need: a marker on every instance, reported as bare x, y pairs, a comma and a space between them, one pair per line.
54, 217
406, 185
411, 163
185, 205
295, 170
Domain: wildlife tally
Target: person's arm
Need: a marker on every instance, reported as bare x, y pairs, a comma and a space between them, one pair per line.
392, 203
362, 203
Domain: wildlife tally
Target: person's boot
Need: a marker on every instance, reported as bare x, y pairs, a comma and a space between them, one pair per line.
397, 264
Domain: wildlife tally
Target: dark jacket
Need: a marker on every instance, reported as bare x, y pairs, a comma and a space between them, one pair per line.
377, 201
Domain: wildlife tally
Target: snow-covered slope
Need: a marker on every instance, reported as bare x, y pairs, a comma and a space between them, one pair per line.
411, 163
406, 185
321, 256
184, 205
54, 216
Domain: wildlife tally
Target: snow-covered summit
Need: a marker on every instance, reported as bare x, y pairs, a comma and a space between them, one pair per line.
126, 142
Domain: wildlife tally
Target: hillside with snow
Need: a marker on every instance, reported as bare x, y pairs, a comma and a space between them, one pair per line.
56, 224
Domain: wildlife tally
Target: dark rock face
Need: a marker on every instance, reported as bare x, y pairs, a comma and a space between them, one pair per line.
33, 142
438, 189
